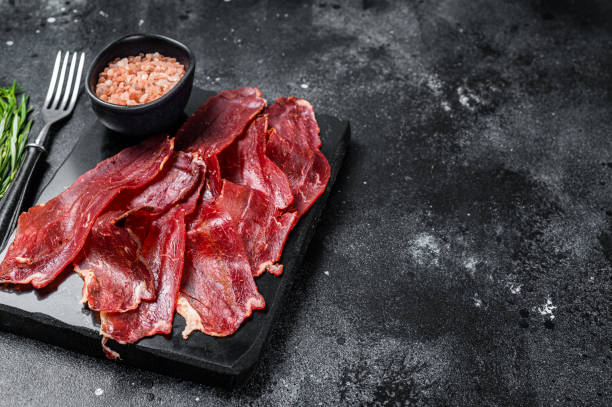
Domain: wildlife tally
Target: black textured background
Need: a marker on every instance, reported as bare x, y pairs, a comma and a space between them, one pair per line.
474, 205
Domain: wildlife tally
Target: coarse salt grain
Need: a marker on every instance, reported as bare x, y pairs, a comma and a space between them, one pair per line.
137, 80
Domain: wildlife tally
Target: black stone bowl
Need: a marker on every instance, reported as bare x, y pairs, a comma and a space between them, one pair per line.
153, 117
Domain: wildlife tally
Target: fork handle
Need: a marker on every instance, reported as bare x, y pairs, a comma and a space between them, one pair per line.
13, 200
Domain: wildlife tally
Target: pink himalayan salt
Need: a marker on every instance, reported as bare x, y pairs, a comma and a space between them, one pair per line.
138, 80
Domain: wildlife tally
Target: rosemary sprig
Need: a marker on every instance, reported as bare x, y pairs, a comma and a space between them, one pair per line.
14, 131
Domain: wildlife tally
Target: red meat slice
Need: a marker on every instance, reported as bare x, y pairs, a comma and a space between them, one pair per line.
218, 291
263, 228
293, 145
177, 181
210, 192
245, 162
294, 119
163, 252
50, 235
219, 121
307, 170
116, 276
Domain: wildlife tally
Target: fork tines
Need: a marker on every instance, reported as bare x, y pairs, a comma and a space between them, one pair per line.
54, 99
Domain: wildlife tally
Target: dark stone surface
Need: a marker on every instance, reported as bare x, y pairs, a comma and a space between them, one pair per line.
474, 204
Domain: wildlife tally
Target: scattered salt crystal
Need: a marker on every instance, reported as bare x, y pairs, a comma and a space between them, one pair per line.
63, 9
227, 1
75, 11
103, 14
365, 182
546, 310
99, 392
197, 399
286, 15
10, 43
217, 79
326, 273
51, 20
140, 22
304, 86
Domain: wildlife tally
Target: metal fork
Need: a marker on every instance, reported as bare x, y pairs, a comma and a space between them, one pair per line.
59, 104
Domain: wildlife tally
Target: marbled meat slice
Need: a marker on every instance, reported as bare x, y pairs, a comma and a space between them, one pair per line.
307, 170
245, 162
178, 180
219, 121
163, 251
263, 228
294, 119
50, 235
116, 276
217, 291
210, 192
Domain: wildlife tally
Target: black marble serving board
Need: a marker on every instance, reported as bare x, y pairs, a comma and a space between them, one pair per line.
55, 315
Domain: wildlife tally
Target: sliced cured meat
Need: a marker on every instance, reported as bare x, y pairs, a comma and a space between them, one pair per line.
50, 235
163, 252
153, 231
210, 192
219, 121
263, 228
218, 291
245, 162
293, 145
116, 277
294, 119
307, 170
177, 180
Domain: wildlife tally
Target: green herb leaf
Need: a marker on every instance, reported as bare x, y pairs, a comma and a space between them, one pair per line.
14, 132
